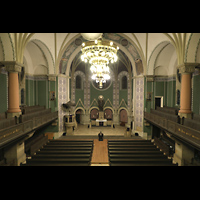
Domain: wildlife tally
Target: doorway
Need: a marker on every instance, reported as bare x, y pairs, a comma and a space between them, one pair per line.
158, 101
123, 117
78, 116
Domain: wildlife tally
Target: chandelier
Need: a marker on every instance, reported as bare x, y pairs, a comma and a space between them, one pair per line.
99, 54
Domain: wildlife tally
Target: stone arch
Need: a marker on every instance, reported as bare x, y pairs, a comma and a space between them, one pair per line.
192, 48
163, 60
37, 54
73, 84
8, 50
120, 75
79, 108
108, 107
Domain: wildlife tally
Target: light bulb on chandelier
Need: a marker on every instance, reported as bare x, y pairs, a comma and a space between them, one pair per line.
99, 54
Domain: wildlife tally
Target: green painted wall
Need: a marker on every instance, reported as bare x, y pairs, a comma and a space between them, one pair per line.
94, 93
171, 93
167, 89
79, 94
38, 93
123, 94
30, 92
3, 93
196, 94
42, 93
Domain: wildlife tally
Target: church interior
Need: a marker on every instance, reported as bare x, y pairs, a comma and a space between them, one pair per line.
99, 99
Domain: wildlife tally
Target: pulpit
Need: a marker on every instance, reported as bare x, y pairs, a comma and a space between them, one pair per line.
70, 123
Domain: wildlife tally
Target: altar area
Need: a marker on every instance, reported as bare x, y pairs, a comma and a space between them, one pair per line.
101, 121
83, 130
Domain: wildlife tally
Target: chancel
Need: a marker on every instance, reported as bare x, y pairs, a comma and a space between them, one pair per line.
106, 99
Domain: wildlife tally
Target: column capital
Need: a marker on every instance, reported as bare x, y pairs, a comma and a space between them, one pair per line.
187, 67
12, 66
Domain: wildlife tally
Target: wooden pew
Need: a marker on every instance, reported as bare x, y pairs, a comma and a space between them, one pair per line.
171, 117
58, 162
63, 153
141, 162
30, 116
196, 117
2, 116
136, 153
169, 110
194, 124
31, 109
5, 123
32, 145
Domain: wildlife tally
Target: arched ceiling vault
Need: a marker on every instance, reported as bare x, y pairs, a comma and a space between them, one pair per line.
141, 44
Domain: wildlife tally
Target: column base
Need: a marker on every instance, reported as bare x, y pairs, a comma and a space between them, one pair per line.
13, 114
185, 115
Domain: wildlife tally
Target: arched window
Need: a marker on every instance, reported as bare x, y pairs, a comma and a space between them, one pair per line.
78, 82
124, 82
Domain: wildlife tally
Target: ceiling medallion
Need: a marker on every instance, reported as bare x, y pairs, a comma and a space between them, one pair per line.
99, 54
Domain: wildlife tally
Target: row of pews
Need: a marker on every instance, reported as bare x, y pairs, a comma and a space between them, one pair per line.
63, 153
136, 153
32, 117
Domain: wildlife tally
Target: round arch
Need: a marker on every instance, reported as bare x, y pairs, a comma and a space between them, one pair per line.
8, 50
163, 60
38, 54
79, 108
94, 107
122, 108
192, 47
108, 107
78, 49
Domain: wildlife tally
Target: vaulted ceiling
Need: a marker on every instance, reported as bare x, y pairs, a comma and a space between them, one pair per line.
158, 53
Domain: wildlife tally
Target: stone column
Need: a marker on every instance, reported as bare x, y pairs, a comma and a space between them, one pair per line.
13, 69
186, 71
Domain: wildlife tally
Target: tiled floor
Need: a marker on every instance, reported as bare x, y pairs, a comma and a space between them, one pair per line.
107, 131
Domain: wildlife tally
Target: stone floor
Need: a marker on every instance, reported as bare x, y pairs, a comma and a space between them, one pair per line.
83, 131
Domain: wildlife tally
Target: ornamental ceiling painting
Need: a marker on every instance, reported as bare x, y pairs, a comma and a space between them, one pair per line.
109, 36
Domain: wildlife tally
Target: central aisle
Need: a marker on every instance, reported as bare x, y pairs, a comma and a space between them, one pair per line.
100, 153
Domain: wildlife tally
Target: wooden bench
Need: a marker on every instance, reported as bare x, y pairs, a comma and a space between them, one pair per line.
5, 123
69, 151
171, 117
138, 156
194, 124
169, 110
30, 116
2, 116
165, 148
31, 109
157, 162
58, 162
196, 117
136, 153
63, 153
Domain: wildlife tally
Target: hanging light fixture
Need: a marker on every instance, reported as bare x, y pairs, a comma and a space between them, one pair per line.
99, 54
